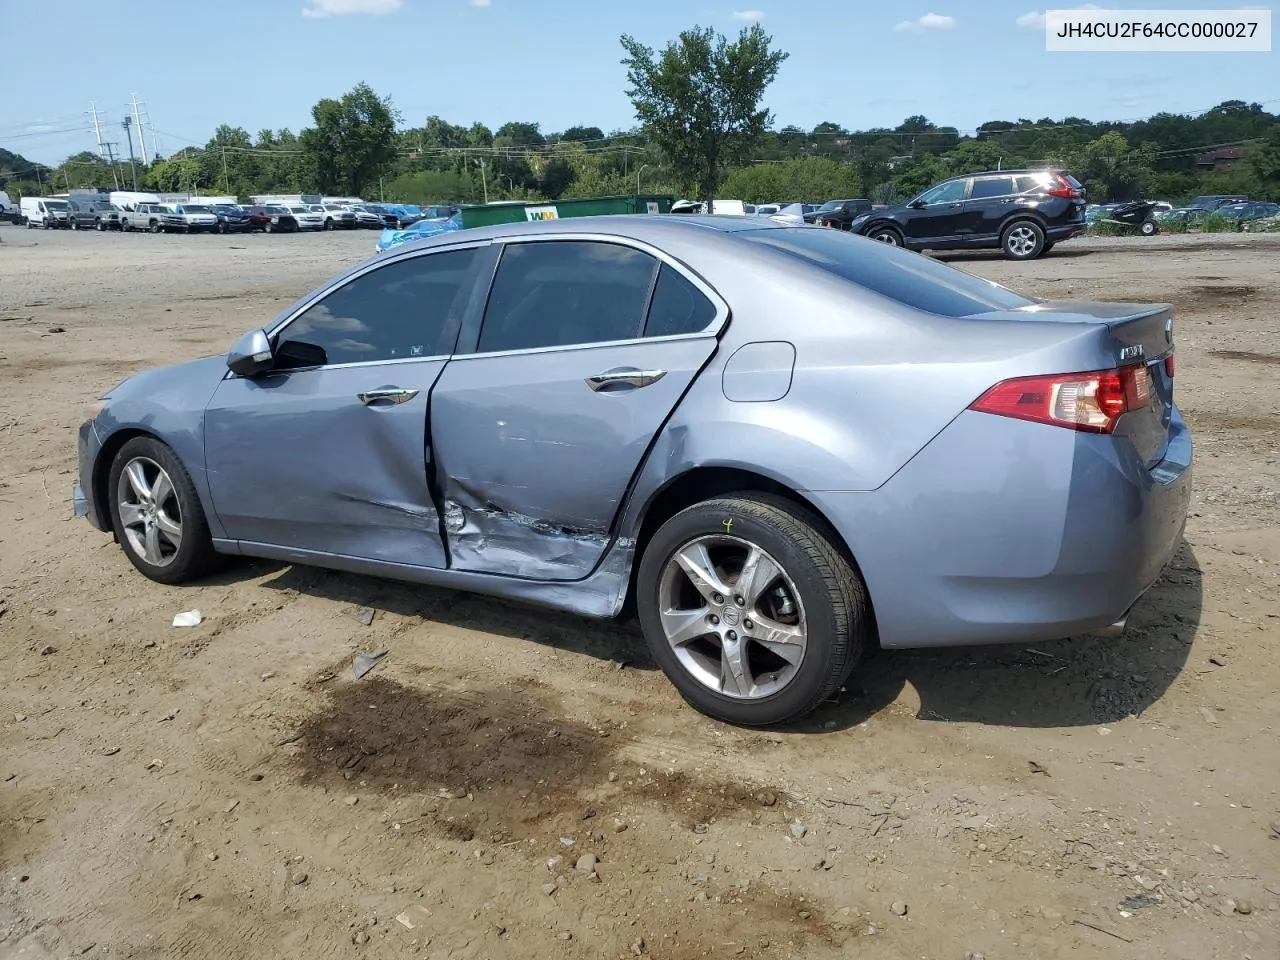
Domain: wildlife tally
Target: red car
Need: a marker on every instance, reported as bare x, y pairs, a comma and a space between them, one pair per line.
272, 219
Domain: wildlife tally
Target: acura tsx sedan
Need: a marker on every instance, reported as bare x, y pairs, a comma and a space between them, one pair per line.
777, 444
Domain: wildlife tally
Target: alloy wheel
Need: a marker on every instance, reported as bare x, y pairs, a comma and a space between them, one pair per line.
1021, 241
149, 511
733, 616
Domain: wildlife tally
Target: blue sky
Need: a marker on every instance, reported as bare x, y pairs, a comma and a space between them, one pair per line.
263, 63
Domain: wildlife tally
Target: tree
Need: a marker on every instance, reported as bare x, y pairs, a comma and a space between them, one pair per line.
352, 142
699, 101
583, 133
1266, 165
798, 180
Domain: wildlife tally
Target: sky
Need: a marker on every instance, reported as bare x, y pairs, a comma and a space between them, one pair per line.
264, 63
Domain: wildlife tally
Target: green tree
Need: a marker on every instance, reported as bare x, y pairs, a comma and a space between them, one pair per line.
180, 172
699, 100
798, 180
352, 143
1266, 165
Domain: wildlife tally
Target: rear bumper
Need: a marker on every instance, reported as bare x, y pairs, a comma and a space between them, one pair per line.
1057, 234
1003, 531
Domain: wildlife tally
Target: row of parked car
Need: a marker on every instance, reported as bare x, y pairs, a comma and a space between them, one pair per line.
78, 214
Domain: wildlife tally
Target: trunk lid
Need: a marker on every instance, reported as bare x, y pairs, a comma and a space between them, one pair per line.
1137, 335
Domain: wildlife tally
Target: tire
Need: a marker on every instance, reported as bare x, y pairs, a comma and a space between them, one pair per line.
1047, 247
75, 224
1149, 228
828, 603
1022, 240
328, 224
193, 556
267, 228
155, 226
97, 225
886, 234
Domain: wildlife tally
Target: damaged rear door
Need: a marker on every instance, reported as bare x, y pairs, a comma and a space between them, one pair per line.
585, 347
327, 451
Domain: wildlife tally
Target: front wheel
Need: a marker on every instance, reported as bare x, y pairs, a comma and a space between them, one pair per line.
886, 235
155, 226
1023, 240
1149, 228
750, 609
157, 514
75, 224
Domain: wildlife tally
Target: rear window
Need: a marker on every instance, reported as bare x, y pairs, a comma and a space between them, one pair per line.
909, 278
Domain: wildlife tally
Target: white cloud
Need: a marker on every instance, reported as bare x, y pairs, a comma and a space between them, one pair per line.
480, 3
1035, 20
930, 21
337, 8
754, 15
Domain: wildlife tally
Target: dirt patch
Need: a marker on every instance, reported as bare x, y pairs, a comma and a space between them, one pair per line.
1218, 421
1247, 356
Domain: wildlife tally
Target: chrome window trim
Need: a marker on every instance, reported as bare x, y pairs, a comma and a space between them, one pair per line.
714, 328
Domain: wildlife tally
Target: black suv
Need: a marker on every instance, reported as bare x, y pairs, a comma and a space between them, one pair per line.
1022, 212
838, 213
94, 215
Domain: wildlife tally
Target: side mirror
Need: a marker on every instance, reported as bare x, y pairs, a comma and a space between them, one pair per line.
917, 204
251, 354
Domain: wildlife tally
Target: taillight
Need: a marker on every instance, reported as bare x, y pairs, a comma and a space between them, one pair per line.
1091, 402
1064, 189
1168, 365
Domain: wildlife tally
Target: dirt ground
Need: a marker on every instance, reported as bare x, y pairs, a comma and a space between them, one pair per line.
232, 791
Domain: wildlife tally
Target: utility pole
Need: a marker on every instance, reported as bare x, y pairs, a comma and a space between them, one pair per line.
226, 181
97, 130
484, 180
127, 123
111, 159
137, 118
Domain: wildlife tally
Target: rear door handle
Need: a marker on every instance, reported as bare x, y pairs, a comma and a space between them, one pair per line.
386, 395
625, 376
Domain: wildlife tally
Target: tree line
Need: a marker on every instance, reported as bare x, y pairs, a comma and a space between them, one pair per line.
700, 132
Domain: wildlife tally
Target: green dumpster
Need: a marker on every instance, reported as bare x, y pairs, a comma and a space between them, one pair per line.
488, 214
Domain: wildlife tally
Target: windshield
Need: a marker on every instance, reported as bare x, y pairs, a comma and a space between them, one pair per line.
57, 205
893, 272
830, 205
196, 210
276, 210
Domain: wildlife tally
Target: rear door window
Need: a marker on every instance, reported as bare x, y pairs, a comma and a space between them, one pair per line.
677, 306
559, 293
984, 187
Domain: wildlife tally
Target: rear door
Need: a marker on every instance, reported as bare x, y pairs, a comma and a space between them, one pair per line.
540, 422
991, 201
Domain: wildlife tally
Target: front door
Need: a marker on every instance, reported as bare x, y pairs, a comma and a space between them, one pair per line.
941, 215
584, 351
328, 451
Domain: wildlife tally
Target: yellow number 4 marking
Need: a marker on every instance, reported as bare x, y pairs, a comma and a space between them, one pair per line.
728, 525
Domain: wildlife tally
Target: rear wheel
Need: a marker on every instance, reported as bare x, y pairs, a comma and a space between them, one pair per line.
889, 235
1023, 240
97, 225
750, 609
157, 514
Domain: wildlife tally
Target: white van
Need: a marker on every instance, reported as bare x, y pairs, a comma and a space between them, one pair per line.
47, 212
129, 199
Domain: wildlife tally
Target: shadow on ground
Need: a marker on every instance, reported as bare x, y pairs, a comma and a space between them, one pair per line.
1079, 681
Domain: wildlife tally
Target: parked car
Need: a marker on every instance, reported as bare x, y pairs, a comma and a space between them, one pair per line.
336, 216
145, 216
94, 215
369, 219
272, 218
840, 213
388, 218
426, 227
1213, 201
622, 412
1022, 212
306, 218
1189, 216
790, 212
45, 212
1243, 213
232, 218
191, 218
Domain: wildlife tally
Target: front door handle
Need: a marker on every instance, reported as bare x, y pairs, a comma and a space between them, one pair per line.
386, 395
625, 376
